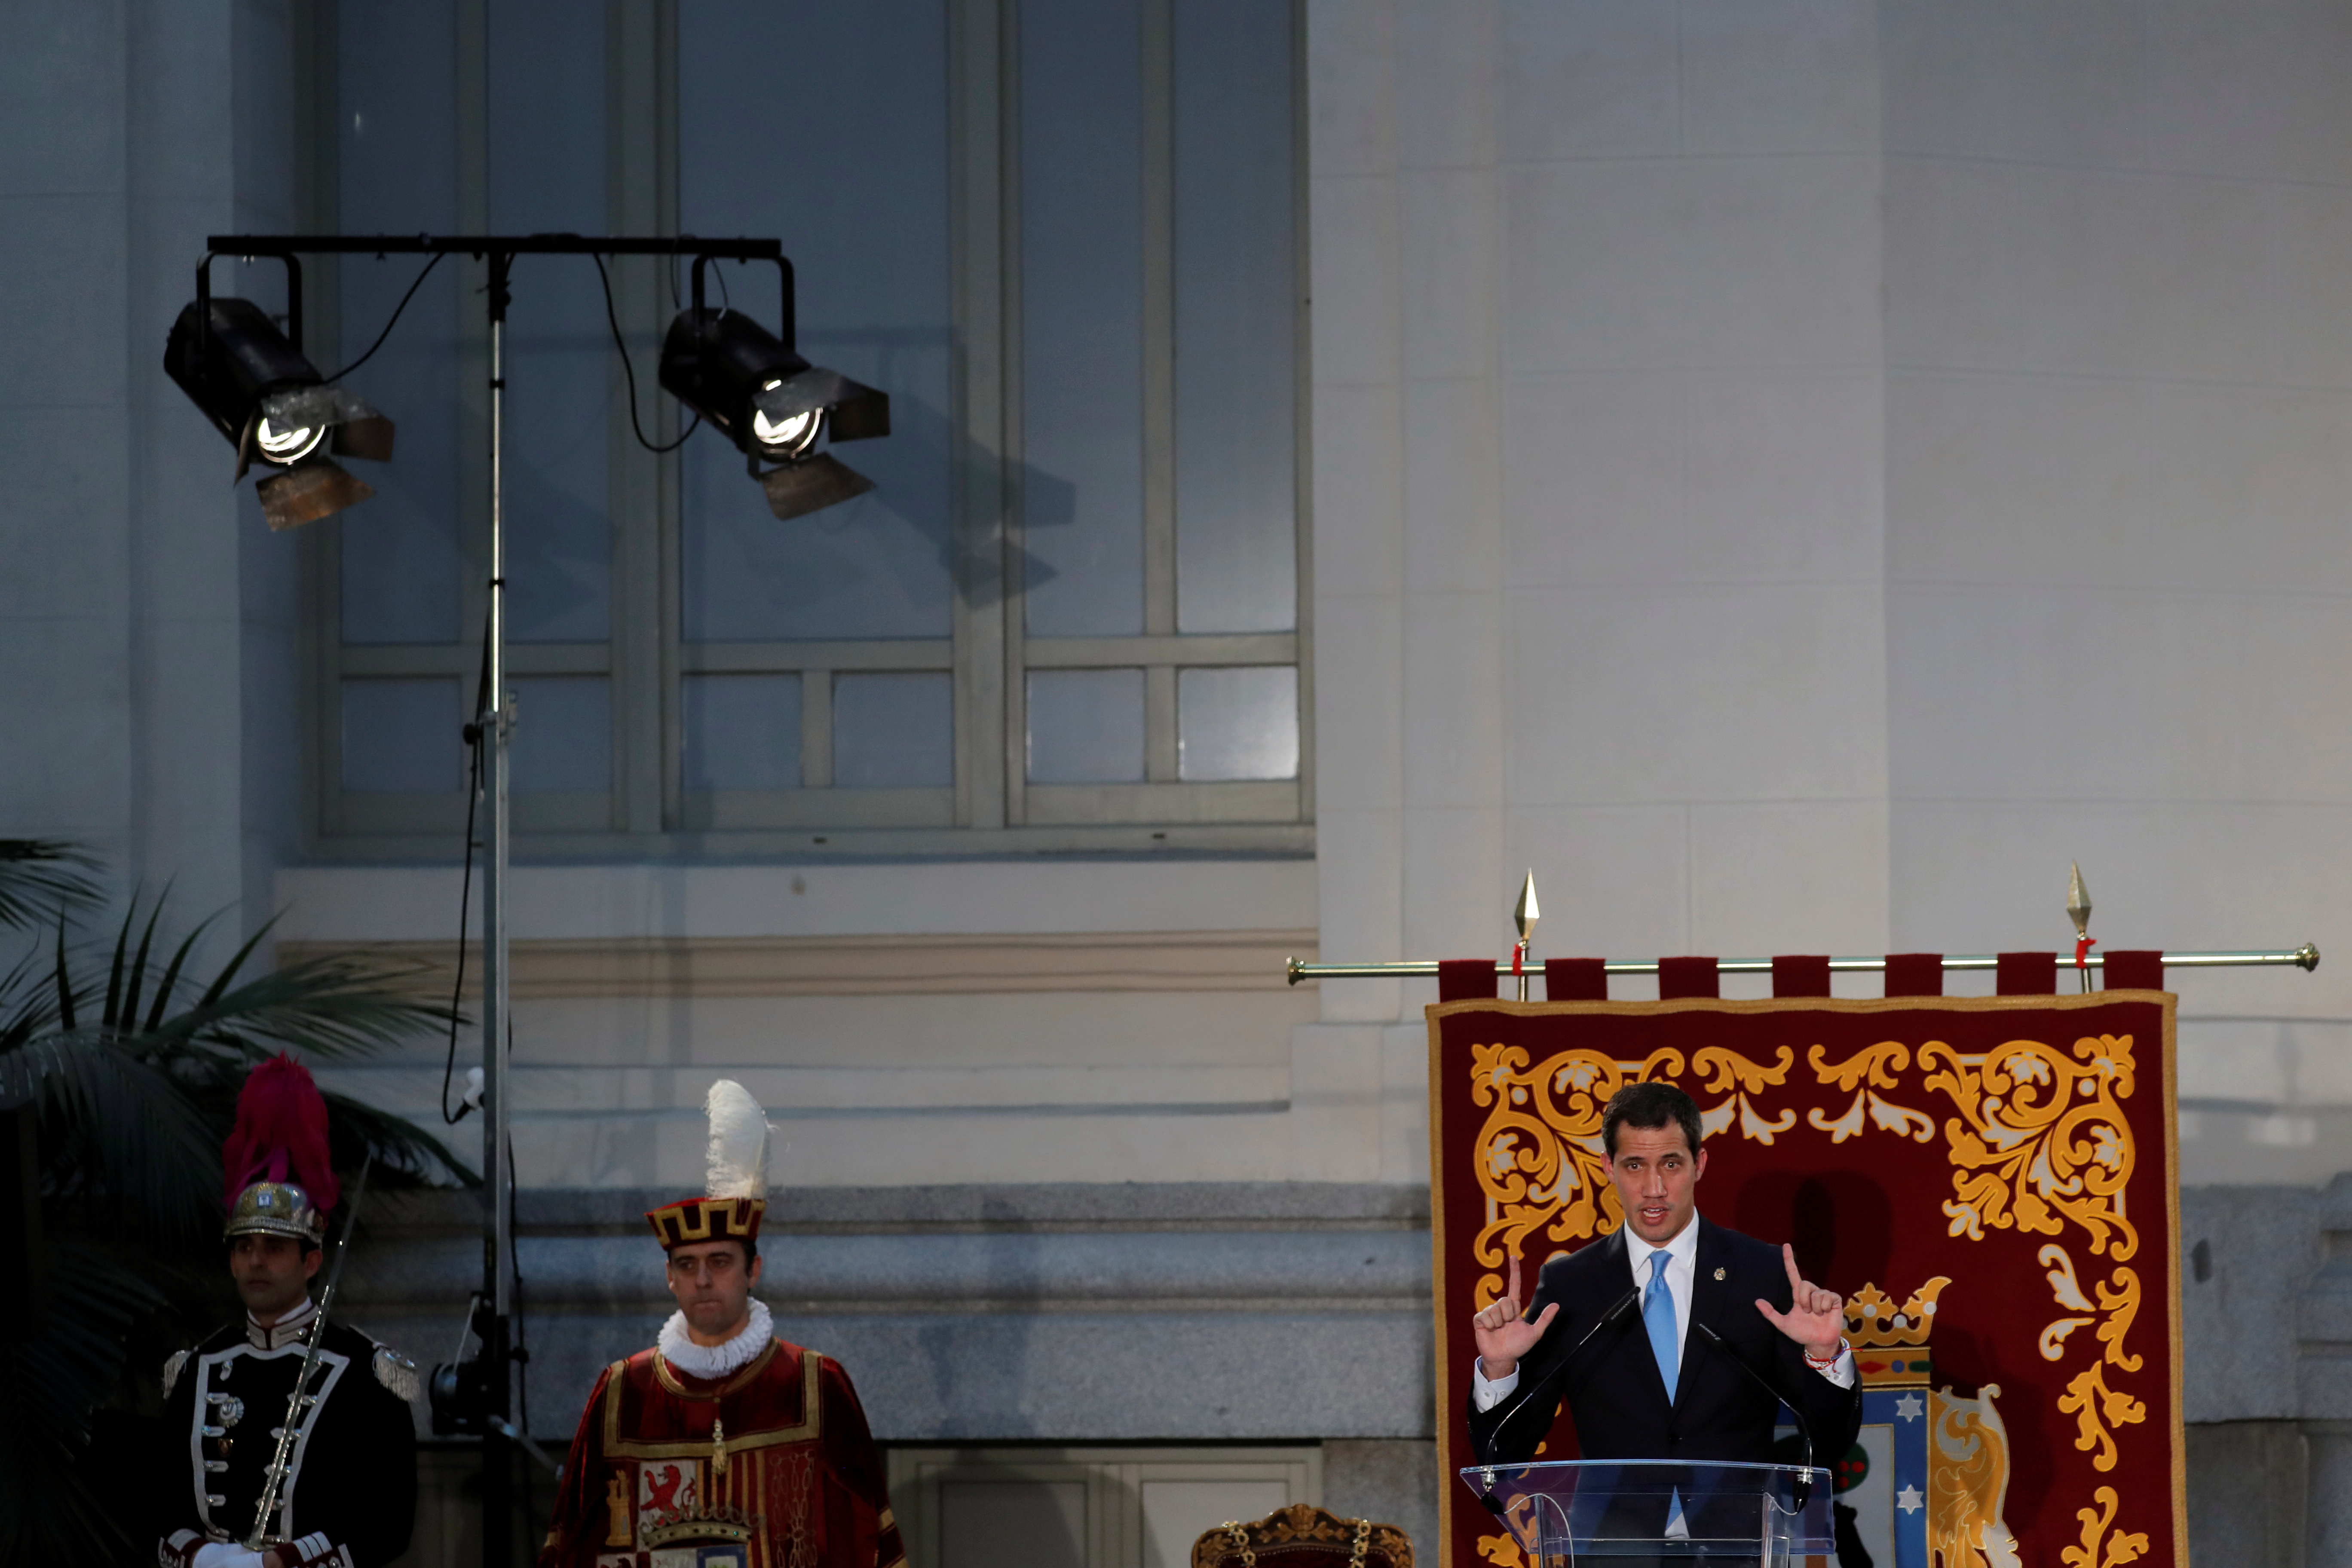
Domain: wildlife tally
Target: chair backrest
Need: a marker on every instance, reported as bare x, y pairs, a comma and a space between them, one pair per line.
1303, 1536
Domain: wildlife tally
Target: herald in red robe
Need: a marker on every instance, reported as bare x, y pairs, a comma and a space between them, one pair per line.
770, 1466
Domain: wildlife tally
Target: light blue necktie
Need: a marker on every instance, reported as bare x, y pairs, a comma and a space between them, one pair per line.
1658, 1317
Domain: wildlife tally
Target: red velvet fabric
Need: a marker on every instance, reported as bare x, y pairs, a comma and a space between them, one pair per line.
1466, 979
1801, 975
1914, 974
1681, 977
2026, 974
800, 1462
1576, 980
2134, 969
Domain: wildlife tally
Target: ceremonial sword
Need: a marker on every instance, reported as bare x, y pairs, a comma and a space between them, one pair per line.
279, 1464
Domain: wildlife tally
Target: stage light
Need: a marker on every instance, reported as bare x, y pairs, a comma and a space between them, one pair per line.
773, 405
272, 405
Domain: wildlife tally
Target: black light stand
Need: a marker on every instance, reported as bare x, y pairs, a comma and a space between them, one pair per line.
493, 1382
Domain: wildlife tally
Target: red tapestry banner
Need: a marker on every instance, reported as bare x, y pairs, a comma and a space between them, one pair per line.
1992, 1183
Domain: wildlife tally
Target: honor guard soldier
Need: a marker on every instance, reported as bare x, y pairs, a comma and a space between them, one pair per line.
722, 1445
346, 1478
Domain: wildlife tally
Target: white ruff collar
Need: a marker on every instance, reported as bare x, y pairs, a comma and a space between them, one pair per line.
716, 1360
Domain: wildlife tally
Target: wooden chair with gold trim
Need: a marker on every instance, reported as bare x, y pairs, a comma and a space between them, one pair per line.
1303, 1536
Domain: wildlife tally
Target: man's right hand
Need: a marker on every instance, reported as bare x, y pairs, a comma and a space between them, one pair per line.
1503, 1332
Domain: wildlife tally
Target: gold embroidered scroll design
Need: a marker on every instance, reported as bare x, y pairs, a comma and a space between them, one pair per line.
1538, 1157
1866, 1072
2121, 1547
1970, 1487
2118, 1299
2040, 1140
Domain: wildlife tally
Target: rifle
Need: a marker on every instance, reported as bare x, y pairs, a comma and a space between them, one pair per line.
301, 1396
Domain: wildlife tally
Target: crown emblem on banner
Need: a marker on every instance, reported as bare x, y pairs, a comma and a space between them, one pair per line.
702, 1526
1890, 1344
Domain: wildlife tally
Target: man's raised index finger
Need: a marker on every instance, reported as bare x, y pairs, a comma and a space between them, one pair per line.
1788, 1256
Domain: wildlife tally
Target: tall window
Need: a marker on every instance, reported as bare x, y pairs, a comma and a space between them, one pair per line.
1063, 235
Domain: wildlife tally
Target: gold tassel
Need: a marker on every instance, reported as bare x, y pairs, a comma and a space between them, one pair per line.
718, 1445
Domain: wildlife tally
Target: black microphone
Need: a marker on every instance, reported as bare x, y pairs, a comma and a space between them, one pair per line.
1552, 1378
1804, 1489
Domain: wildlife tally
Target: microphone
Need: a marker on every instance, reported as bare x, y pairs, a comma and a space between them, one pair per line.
1804, 1489
1550, 1380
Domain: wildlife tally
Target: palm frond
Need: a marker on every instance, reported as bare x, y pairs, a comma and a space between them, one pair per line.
27, 1005
40, 876
118, 1133
170, 981
137, 1081
122, 1010
335, 1006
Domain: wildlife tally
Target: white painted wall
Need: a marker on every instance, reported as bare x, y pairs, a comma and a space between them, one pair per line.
2119, 477
1796, 473
131, 130
887, 1091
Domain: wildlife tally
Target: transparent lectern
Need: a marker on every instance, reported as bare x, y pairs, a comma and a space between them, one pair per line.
1773, 1516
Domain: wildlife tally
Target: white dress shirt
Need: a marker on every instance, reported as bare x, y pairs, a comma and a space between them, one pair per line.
1682, 1274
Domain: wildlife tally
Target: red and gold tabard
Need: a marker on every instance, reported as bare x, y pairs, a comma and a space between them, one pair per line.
770, 1465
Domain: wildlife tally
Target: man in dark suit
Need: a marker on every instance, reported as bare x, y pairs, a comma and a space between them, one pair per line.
1648, 1385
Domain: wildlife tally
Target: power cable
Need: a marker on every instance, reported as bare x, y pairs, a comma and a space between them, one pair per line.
396, 309
473, 733
613, 320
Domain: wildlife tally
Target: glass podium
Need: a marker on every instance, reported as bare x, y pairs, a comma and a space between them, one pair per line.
1774, 1516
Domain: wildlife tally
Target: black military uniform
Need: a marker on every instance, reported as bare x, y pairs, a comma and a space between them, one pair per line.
348, 1495
353, 1469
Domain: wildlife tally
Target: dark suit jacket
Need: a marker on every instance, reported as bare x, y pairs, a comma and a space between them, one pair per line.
1614, 1389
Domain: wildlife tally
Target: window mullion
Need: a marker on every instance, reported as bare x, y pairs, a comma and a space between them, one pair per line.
1159, 724
1303, 405
1159, 177
1012, 562
978, 108
639, 179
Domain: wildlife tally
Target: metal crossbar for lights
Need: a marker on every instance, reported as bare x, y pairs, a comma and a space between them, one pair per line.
2305, 957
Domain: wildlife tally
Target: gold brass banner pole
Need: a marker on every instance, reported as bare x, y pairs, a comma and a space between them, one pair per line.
2305, 957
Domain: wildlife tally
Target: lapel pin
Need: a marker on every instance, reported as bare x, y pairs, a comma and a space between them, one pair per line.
1718, 1274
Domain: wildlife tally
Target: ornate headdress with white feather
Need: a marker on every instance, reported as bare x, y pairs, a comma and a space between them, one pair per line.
740, 1130
735, 1175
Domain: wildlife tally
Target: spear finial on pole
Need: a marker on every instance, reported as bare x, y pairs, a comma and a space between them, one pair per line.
1525, 913
2078, 906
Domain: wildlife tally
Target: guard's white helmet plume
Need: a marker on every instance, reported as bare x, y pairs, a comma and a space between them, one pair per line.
739, 1131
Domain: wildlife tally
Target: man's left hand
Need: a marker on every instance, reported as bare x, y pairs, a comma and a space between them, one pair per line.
1815, 1318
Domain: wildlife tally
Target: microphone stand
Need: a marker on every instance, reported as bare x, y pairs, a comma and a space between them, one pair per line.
1551, 1379
1802, 1492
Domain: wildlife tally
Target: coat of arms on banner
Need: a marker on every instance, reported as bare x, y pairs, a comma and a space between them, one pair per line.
1992, 1182
667, 1490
